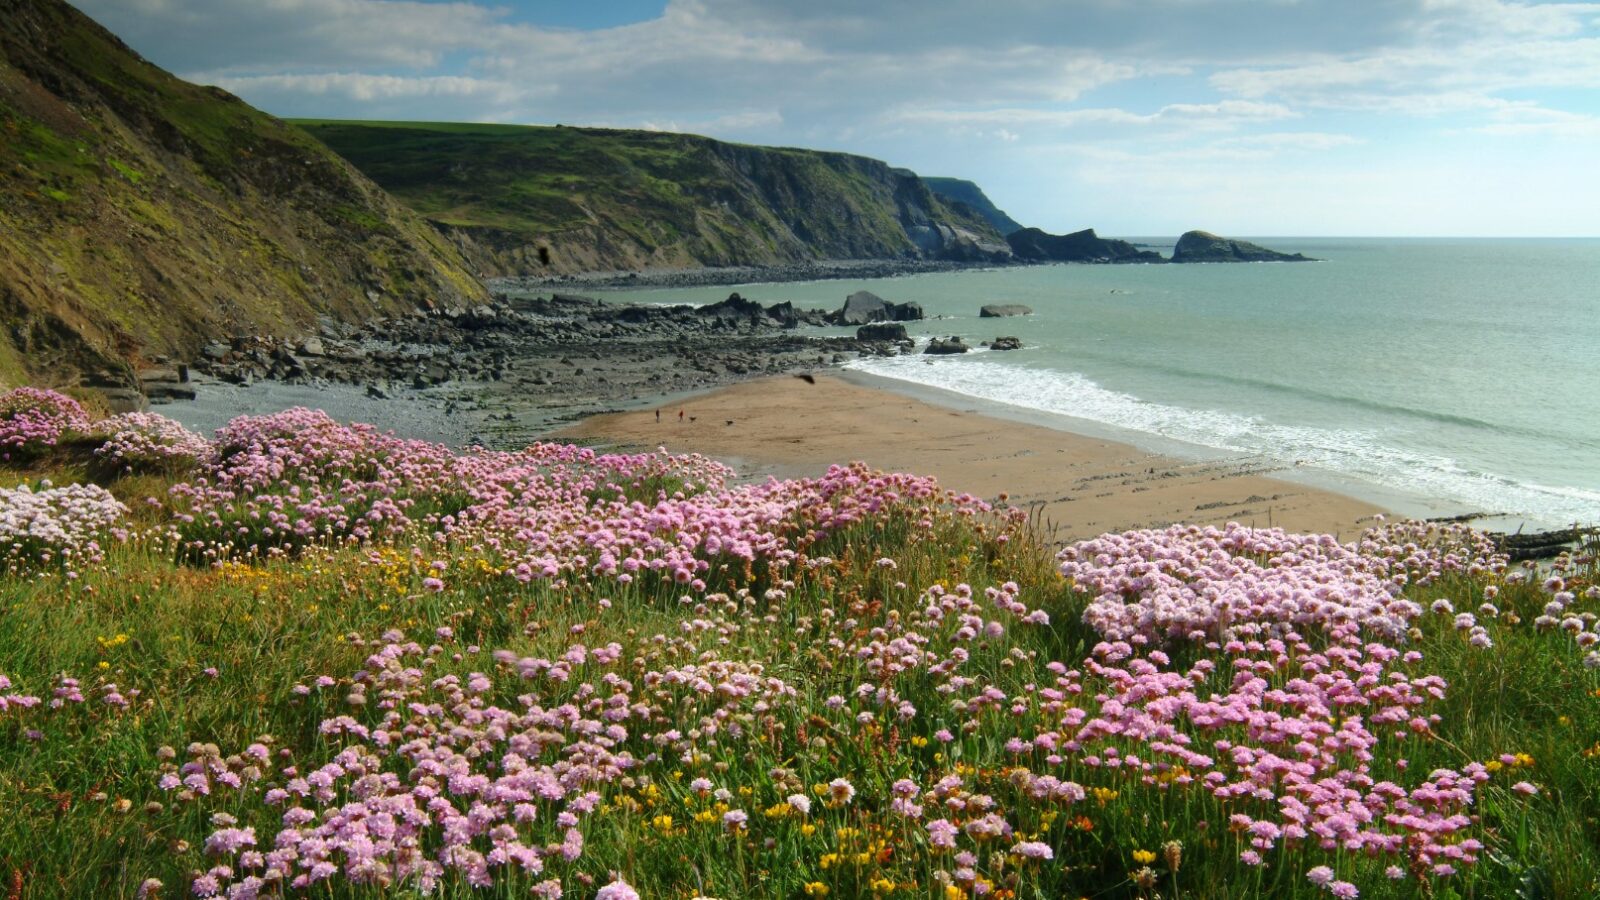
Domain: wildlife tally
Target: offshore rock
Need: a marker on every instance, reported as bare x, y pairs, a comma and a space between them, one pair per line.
1203, 246
945, 346
1003, 310
864, 307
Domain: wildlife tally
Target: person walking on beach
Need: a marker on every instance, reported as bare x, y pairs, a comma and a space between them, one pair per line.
680, 417
658, 417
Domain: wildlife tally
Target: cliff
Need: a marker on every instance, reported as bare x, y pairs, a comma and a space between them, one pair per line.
527, 200
962, 191
141, 215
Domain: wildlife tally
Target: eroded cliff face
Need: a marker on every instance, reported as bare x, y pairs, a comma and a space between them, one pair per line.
537, 200
961, 190
142, 215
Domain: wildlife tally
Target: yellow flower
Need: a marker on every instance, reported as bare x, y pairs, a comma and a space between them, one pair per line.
705, 817
951, 892
816, 889
662, 823
827, 861
1144, 857
808, 829
882, 885
1493, 765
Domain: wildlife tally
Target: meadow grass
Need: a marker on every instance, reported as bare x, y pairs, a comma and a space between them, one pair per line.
816, 676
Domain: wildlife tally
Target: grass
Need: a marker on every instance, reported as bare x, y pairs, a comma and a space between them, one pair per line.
215, 653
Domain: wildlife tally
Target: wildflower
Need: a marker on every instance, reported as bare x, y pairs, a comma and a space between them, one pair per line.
942, 834
840, 792
617, 890
1320, 876
1144, 857
816, 889
1526, 789
801, 803
1033, 850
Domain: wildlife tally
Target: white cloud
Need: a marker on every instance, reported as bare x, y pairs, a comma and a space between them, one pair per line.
1222, 115
360, 86
990, 91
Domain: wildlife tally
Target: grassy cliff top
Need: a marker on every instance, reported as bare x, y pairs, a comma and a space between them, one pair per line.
704, 200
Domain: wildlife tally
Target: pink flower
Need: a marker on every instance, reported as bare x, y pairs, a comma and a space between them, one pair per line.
617, 890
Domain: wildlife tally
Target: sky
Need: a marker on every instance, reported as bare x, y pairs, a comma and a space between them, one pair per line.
1243, 117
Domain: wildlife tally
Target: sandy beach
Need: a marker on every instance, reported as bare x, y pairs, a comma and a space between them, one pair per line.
1081, 485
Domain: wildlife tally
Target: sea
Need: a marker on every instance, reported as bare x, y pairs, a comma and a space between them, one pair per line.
1432, 376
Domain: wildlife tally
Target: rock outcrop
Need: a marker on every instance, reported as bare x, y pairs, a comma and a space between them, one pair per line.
882, 331
1006, 343
864, 307
1004, 310
1034, 245
1203, 246
945, 346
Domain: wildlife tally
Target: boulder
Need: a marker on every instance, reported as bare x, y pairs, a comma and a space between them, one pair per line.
905, 312
1002, 310
1203, 246
861, 308
882, 331
1006, 343
123, 399
864, 307
945, 346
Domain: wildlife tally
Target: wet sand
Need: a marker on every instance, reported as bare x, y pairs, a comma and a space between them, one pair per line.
1081, 485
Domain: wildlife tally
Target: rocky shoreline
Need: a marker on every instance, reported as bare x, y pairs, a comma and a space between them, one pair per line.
824, 270
505, 372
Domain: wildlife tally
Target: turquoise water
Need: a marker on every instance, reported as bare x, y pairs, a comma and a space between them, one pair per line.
1463, 373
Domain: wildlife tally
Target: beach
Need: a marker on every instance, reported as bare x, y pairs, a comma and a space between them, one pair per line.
1079, 485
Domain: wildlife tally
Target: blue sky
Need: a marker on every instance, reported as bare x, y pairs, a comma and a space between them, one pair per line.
1249, 117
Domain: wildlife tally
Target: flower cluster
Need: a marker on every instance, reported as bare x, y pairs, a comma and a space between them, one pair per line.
55, 524
1189, 583
147, 441
35, 419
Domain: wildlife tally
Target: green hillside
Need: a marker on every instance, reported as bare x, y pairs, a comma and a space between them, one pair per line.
141, 214
536, 200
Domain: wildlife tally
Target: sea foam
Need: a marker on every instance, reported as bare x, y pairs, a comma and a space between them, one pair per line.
1346, 453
